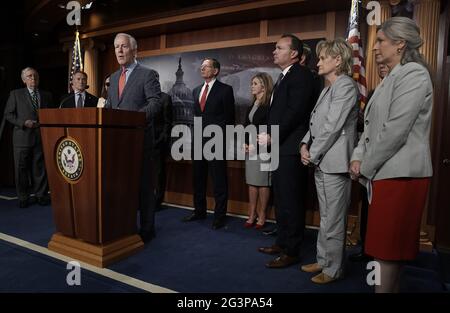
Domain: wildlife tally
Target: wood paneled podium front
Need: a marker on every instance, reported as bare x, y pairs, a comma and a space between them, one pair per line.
93, 158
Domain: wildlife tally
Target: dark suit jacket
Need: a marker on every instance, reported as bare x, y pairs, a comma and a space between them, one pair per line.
163, 120
219, 107
360, 124
142, 92
291, 107
259, 118
69, 101
318, 86
19, 108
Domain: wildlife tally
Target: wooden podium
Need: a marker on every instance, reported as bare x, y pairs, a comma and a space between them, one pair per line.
93, 159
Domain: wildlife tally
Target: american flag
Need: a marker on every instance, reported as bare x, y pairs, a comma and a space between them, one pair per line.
77, 60
354, 39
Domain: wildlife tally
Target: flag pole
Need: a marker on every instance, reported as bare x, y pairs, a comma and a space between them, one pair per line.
77, 59
77, 39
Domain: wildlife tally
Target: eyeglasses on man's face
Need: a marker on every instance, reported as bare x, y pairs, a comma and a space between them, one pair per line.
31, 76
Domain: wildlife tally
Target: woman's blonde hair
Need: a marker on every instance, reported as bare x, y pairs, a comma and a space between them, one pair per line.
338, 47
267, 83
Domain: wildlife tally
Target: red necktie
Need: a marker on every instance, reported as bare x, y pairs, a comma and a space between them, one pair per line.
122, 81
203, 98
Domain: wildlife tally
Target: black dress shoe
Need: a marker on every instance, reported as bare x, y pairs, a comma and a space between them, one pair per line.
43, 201
218, 223
360, 257
147, 236
32, 200
272, 250
270, 232
23, 204
282, 261
194, 217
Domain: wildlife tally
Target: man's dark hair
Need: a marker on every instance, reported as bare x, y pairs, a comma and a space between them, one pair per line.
296, 43
215, 64
79, 71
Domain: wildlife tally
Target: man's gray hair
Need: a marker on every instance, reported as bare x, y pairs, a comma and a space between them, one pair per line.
22, 74
133, 42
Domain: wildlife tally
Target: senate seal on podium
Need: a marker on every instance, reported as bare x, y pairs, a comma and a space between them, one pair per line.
69, 159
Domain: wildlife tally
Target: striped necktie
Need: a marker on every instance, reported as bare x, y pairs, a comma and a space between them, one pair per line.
34, 100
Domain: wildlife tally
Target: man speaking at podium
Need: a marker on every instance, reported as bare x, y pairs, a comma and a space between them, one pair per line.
136, 88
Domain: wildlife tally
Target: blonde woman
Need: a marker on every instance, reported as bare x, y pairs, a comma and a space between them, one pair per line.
328, 146
258, 181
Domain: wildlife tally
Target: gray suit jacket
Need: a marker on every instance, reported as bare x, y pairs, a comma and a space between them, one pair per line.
142, 92
395, 142
19, 108
332, 132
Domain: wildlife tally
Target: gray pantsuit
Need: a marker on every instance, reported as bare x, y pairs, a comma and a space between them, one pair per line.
333, 193
331, 139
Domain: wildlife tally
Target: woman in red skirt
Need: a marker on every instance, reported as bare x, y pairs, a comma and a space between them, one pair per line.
393, 155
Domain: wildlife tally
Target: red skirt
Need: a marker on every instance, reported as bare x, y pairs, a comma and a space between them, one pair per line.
395, 214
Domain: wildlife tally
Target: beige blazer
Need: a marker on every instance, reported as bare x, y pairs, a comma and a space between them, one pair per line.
332, 128
397, 120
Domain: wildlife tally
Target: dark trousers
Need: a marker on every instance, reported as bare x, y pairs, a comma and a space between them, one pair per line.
218, 171
30, 169
364, 216
159, 174
146, 194
289, 183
